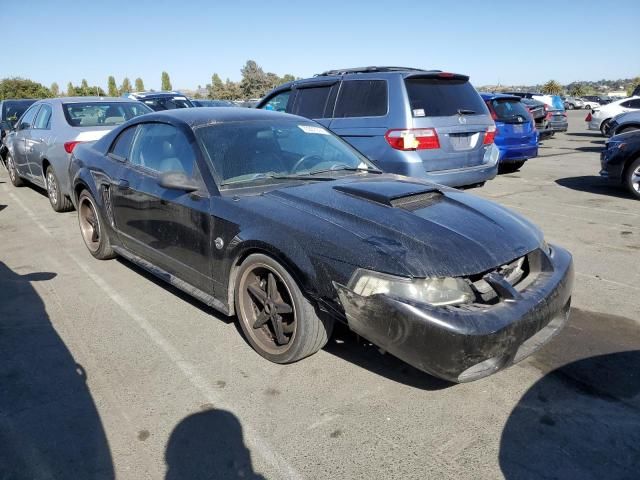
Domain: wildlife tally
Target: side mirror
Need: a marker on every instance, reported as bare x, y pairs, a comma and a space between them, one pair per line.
178, 181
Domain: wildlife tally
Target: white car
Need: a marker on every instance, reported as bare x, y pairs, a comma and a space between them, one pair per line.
591, 104
600, 117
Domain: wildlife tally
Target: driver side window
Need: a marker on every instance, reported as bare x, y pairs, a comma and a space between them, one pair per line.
27, 119
163, 148
279, 102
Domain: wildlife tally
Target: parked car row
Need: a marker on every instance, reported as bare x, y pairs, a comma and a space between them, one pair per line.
275, 219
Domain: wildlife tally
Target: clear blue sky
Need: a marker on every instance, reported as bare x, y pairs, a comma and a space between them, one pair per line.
511, 42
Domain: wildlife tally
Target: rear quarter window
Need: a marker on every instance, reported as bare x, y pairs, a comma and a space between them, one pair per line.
362, 98
437, 97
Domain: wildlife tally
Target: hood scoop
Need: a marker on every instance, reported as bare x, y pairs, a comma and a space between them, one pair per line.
405, 195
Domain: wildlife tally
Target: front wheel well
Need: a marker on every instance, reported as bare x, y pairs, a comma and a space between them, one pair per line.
241, 257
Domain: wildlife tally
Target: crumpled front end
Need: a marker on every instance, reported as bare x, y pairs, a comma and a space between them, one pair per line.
505, 324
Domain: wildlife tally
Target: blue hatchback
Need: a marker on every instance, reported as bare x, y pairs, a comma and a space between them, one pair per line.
516, 135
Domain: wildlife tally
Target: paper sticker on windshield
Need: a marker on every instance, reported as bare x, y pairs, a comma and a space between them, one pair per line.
312, 129
418, 112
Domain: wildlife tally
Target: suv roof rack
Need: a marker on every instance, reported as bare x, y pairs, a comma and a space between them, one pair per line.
343, 71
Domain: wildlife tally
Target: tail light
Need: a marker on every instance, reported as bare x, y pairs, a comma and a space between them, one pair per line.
69, 146
490, 136
412, 138
589, 117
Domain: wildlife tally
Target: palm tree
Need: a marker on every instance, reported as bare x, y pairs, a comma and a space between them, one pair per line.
552, 88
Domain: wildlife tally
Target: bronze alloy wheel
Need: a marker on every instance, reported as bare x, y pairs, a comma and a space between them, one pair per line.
266, 307
89, 223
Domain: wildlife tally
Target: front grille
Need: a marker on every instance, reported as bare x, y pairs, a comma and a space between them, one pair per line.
517, 274
416, 202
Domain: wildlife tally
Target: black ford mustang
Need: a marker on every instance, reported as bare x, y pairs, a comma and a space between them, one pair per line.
273, 218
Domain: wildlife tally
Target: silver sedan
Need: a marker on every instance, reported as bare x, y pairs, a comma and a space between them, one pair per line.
40, 146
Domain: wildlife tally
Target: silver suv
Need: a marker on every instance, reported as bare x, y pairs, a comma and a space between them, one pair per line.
420, 123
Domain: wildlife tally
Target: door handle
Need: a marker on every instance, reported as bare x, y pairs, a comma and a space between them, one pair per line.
122, 184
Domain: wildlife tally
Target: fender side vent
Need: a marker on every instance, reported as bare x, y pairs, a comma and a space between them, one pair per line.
418, 201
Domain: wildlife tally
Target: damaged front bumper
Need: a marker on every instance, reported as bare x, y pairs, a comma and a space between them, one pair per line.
465, 343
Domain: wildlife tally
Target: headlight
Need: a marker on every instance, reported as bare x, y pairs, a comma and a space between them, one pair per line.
434, 291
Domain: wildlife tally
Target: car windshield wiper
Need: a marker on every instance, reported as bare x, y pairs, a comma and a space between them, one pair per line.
465, 111
345, 168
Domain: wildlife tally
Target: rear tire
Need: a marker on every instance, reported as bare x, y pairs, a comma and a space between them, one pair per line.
59, 202
92, 229
276, 318
510, 167
604, 127
632, 178
15, 178
571, 106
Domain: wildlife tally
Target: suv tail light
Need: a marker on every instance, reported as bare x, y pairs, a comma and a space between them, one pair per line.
589, 117
412, 138
493, 113
490, 136
69, 146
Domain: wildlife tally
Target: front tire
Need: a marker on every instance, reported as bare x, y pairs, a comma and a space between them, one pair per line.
14, 176
277, 320
632, 178
59, 202
92, 228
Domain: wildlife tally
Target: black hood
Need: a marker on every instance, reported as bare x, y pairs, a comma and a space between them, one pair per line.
405, 226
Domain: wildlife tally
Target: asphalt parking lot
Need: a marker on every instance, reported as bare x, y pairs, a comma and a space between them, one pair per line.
107, 373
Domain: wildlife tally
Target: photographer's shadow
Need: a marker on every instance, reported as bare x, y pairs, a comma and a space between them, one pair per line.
209, 445
49, 425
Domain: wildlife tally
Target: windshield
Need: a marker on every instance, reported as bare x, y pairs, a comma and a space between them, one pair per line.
102, 114
251, 151
509, 110
14, 110
433, 97
167, 103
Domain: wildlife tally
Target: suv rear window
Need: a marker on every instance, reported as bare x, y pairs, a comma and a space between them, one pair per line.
438, 97
362, 98
102, 114
167, 103
509, 111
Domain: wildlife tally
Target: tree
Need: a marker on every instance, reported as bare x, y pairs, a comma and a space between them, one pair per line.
288, 78
54, 89
552, 88
232, 90
84, 87
255, 82
126, 86
84, 90
22, 88
216, 88
577, 90
139, 85
112, 87
634, 83
165, 81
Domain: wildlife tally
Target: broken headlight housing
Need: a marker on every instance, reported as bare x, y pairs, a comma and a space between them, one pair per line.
433, 291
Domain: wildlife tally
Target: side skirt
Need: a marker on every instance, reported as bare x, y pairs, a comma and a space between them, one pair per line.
173, 280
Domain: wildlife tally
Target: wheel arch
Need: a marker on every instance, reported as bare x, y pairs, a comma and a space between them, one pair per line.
299, 266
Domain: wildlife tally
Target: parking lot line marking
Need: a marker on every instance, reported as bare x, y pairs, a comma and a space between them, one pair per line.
606, 210
258, 444
613, 282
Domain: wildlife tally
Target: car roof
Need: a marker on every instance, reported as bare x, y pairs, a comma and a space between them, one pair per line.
196, 117
60, 100
161, 93
493, 96
19, 100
